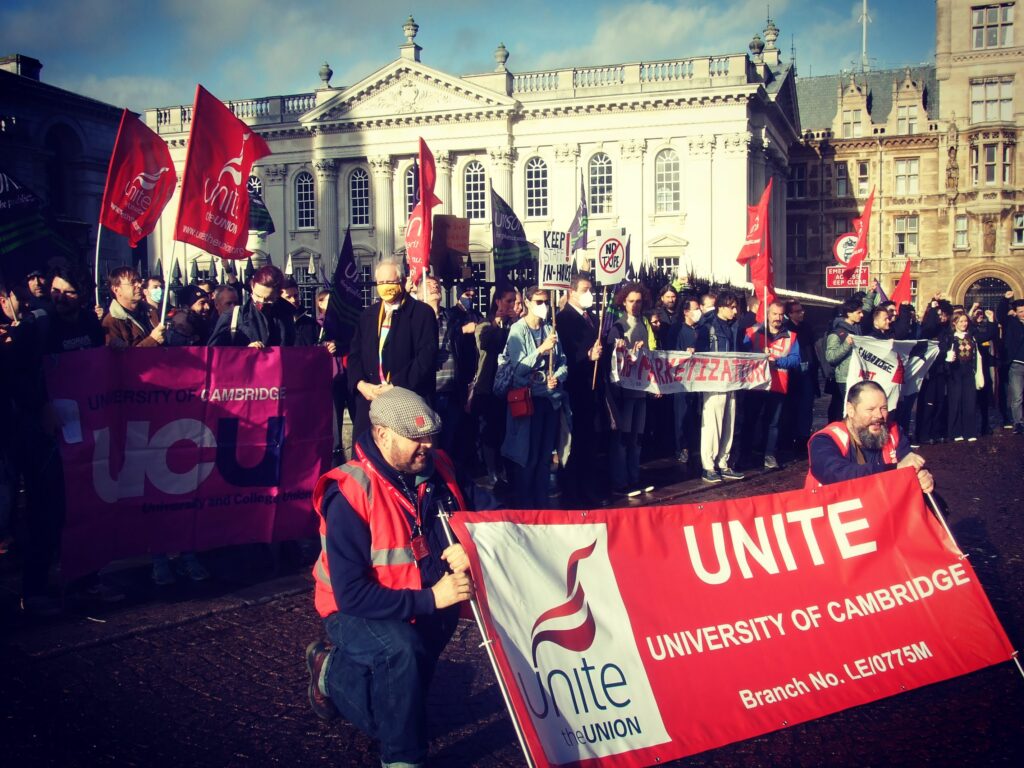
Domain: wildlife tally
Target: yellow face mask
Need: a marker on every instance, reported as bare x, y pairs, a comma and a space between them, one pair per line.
389, 293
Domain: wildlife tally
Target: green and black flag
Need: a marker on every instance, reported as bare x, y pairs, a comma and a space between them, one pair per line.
511, 248
259, 216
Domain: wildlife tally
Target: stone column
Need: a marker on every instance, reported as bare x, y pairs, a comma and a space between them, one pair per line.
327, 209
564, 190
382, 167
629, 197
732, 183
443, 188
502, 159
275, 197
697, 193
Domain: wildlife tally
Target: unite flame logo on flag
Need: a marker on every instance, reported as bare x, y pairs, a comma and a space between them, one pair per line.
575, 667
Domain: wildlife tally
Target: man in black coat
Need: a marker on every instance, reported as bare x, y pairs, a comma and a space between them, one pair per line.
578, 332
394, 344
263, 321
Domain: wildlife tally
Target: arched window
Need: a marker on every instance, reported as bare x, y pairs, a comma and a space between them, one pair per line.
359, 198
666, 182
305, 201
410, 190
476, 191
600, 184
536, 187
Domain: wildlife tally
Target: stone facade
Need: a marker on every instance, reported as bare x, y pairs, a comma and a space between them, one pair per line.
938, 145
672, 152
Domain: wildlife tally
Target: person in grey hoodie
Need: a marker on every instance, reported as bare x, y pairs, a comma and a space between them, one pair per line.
839, 348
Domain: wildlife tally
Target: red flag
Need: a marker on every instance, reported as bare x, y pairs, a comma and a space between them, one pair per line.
902, 291
418, 231
214, 210
140, 180
757, 250
861, 225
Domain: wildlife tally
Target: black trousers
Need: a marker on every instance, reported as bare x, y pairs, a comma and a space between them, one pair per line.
962, 404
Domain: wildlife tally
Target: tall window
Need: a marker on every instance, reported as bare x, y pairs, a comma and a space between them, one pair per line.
305, 201
536, 187
851, 124
992, 25
797, 181
666, 182
906, 235
1007, 163
796, 239
862, 178
907, 176
841, 225
366, 284
991, 164
842, 181
960, 232
476, 191
906, 119
991, 99
600, 184
359, 198
826, 179
1018, 229
410, 190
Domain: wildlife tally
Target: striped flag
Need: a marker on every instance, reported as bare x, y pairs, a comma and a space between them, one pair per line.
511, 248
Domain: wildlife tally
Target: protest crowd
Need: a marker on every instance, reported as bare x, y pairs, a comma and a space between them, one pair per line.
526, 396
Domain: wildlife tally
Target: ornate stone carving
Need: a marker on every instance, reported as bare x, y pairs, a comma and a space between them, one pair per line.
381, 165
443, 161
326, 168
632, 149
737, 143
702, 145
275, 174
567, 153
988, 224
502, 157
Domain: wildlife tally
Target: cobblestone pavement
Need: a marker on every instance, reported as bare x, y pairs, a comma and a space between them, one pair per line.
219, 680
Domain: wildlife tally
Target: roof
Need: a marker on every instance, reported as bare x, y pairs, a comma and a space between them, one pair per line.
818, 96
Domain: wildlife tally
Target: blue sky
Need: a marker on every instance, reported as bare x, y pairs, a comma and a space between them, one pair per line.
143, 54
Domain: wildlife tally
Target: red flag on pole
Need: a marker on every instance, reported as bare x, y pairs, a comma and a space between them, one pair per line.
861, 225
902, 291
140, 180
757, 250
214, 210
418, 231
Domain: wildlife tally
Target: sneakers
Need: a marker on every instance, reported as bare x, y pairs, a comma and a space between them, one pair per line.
770, 462
730, 474
647, 488
189, 566
684, 456
317, 654
958, 439
710, 477
163, 576
972, 439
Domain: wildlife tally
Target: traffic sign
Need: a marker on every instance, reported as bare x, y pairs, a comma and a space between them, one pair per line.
835, 277
611, 261
843, 247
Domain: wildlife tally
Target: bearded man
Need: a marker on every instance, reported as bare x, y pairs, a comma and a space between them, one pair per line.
865, 443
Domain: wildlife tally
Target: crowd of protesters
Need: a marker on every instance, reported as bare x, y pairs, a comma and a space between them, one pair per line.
523, 391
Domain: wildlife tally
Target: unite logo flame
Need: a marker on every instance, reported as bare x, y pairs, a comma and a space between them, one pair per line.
578, 638
230, 166
147, 181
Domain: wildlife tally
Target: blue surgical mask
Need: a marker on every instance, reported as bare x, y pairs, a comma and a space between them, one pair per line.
156, 294
466, 302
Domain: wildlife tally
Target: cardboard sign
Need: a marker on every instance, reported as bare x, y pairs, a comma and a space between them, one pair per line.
555, 261
611, 261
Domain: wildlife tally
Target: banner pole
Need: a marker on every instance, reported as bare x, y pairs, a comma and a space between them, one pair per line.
487, 645
554, 330
167, 284
96, 264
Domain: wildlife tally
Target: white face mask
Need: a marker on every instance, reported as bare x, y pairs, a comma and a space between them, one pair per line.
586, 300
539, 310
695, 315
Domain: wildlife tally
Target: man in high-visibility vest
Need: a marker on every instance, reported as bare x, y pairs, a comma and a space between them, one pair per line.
865, 443
387, 583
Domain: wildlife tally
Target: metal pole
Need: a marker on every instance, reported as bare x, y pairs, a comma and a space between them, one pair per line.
444, 514
96, 265
167, 285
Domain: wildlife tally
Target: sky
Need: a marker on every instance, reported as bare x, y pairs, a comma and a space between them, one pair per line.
148, 53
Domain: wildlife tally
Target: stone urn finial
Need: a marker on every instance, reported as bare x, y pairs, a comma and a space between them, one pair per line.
326, 73
410, 29
501, 56
771, 34
756, 47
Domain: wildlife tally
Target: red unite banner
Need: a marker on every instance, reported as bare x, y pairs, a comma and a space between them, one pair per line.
188, 448
631, 637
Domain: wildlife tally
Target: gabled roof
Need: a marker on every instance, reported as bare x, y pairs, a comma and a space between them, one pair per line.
405, 88
819, 101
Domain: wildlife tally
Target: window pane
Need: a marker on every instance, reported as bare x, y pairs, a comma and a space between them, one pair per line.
600, 184
666, 181
410, 190
536, 187
476, 191
359, 198
305, 201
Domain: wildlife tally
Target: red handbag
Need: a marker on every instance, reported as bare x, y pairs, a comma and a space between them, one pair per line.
520, 402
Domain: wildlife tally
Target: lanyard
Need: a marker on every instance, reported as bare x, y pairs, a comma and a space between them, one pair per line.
412, 513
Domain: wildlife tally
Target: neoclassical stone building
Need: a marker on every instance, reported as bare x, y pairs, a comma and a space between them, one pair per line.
671, 152
938, 144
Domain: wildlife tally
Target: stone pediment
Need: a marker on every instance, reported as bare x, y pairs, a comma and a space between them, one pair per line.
667, 241
404, 89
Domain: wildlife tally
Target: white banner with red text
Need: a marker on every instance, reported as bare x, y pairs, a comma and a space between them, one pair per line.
633, 637
899, 367
663, 372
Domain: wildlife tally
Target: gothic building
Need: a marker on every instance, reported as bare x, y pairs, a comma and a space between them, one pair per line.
937, 144
670, 153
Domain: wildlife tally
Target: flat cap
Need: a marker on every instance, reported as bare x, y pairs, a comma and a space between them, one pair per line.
405, 412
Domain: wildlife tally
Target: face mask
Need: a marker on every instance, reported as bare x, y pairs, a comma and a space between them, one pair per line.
586, 300
694, 315
156, 295
466, 302
539, 310
389, 293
